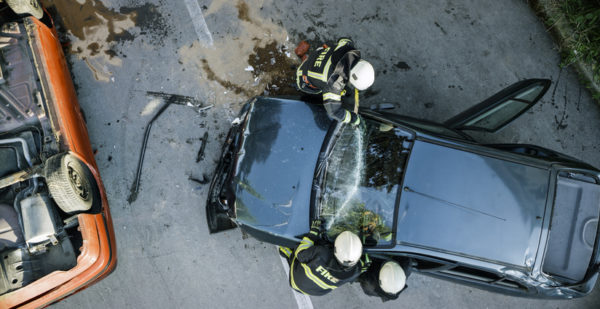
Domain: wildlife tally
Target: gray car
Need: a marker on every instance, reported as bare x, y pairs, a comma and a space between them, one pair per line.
512, 218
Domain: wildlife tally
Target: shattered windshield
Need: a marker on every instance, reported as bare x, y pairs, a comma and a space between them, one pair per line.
363, 173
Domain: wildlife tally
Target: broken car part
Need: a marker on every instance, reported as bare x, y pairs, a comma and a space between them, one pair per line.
135, 187
204, 140
175, 98
205, 179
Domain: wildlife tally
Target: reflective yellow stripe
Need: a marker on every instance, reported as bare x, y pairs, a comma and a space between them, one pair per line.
347, 117
341, 43
286, 251
316, 279
326, 69
302, 247
298, 77
317, 76
321, 76
332, 96
388, 237
292, 282
304, 244
306, 240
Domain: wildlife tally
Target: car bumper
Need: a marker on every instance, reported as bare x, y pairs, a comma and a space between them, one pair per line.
220, 205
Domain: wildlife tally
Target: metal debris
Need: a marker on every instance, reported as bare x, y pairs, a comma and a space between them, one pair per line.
135, 187
175, 98
205, 179
205, 108
200, 155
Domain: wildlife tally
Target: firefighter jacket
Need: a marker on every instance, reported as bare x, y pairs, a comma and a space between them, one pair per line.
314, 269
327, 71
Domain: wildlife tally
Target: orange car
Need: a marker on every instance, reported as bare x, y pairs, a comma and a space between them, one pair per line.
56, 232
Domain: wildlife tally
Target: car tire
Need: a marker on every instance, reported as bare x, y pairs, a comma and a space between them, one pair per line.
26, 7
72, 184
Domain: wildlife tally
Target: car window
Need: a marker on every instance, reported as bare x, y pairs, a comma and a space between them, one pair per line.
498, 115
531, 94
361, 182
502, 108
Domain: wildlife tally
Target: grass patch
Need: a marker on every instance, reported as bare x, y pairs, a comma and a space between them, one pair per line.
578, 25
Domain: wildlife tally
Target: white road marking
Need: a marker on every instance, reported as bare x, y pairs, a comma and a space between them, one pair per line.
199, 23
302, 300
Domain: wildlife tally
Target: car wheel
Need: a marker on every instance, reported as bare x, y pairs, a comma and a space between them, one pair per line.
72, 184
30, 7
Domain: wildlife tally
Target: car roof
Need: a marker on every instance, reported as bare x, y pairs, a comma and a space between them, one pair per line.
473, 205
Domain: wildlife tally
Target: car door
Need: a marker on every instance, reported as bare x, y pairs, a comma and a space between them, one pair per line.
500, 109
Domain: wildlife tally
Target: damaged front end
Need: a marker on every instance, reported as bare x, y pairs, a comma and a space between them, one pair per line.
220, 205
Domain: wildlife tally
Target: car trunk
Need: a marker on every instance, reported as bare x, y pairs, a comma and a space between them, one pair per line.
574, 227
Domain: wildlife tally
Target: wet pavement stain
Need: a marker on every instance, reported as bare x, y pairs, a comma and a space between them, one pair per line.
402, 66
210, 74
276, 67
95, 30
81, 19
255, 61
94, 48
243, 9
150, 21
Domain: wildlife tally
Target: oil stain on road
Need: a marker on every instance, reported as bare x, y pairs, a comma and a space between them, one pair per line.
94, 30
253, 58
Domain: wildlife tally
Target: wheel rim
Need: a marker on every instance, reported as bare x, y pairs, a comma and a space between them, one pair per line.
79, 183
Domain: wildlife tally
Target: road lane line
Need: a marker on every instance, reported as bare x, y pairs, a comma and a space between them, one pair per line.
302, 300
199, 23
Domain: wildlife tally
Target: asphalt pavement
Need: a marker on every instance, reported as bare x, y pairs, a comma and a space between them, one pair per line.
433, 59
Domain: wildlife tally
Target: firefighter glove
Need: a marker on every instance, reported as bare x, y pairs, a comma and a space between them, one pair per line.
315, 228
354, 119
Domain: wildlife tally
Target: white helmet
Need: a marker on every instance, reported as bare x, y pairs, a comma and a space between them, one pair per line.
392, 277
347, 248
362, 75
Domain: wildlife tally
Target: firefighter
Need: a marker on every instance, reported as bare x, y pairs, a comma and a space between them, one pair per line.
385, 279
328, 70
317, 268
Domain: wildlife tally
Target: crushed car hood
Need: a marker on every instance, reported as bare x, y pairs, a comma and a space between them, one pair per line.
276, 164
474, 205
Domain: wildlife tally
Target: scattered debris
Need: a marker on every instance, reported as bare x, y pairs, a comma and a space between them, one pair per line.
402, 66
200, 155
205, 179
135, 187
273, 64
205, 108
175, 98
